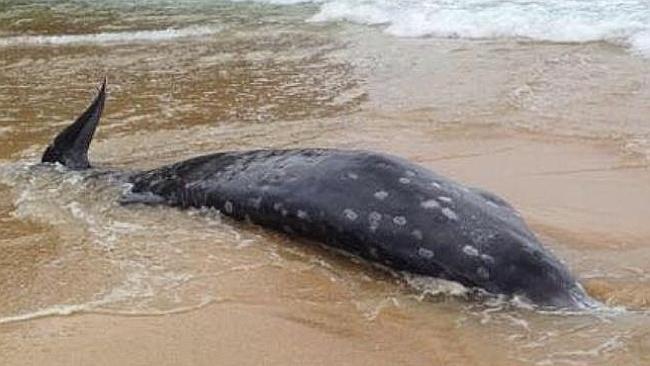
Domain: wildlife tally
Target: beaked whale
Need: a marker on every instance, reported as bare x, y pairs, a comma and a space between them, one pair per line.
375, 206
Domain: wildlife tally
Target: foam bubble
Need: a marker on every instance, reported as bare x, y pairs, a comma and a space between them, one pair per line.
431, 286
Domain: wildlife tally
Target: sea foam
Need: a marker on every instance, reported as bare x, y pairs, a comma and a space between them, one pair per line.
623, 22
110, 37
640, 42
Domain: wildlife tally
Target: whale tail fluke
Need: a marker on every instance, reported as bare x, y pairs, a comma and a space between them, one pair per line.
70, 147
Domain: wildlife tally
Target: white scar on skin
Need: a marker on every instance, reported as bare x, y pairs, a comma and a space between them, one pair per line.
425, 253
449, 213
381, 195
374, 218
430, 204
470, 250
350, 214
487, 258
302, 214
228, 207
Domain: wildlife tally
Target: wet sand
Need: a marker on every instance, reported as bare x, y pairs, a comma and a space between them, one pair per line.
243, 335
558, 130
586, 201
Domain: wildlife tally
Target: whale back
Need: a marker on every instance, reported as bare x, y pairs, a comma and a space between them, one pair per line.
377, 206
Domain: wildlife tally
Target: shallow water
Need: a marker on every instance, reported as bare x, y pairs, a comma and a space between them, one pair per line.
559, 129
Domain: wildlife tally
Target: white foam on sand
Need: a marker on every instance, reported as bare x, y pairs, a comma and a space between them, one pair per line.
623, 22
640, 43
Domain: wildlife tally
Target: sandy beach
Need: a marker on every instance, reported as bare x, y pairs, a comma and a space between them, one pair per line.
557, 129
296, 312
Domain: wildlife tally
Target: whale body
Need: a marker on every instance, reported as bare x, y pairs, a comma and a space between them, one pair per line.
376, 206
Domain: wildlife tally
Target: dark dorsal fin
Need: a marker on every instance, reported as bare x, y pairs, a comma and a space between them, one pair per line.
70, 147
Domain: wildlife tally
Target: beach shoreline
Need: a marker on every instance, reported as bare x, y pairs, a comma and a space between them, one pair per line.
557, 128
587, 207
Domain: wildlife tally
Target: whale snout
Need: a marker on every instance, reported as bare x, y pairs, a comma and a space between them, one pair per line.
575, 298
527, 269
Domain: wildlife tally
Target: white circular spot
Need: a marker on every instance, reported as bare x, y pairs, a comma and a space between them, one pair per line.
373, 218
350, 214
353, 176
399, 220
451, 215
227, 207
277, 206
483, 272
470, 250
381, 195
404, 180
302, 214
417, 234
445, 199
430, 204
425, 253
436, 185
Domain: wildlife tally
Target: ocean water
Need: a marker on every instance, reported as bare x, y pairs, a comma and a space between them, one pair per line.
621, 22
438, 82
625, 23
110, 37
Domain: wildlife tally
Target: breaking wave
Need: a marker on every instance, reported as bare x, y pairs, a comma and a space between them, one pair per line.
621, 22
